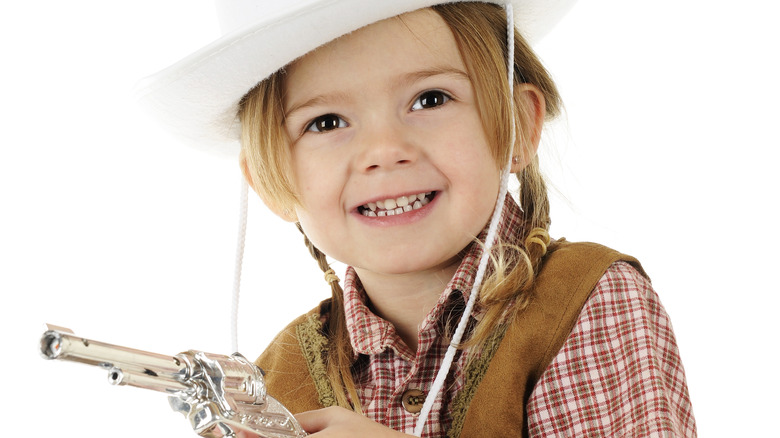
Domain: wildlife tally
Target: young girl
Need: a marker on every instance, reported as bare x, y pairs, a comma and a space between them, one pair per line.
386, 133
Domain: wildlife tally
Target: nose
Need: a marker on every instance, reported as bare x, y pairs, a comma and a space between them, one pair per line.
385, 145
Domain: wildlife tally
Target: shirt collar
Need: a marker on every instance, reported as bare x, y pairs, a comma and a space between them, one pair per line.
369, 334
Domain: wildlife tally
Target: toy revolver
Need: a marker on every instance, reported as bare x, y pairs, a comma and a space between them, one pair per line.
221, 396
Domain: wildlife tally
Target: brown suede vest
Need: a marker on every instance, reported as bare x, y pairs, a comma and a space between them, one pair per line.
498, 387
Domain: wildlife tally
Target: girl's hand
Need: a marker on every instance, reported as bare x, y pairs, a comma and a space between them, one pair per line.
340, 422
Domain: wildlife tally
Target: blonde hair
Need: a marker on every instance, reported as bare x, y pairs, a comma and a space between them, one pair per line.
480, 33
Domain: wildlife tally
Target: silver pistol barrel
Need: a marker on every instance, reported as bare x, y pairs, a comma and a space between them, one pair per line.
220, 395
60, 343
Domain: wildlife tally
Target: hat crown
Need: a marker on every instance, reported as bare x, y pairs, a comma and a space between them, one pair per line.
237, 14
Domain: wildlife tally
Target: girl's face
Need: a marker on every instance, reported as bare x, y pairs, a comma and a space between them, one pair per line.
380, 116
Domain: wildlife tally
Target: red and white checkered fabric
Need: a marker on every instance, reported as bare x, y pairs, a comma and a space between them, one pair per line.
618, 374
389, 368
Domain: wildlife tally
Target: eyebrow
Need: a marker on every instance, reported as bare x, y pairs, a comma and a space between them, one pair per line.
406, 79
316, 100
416, 76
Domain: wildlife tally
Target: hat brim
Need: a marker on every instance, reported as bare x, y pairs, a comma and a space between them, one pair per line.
197, 98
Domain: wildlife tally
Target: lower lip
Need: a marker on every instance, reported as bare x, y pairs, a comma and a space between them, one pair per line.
399, 219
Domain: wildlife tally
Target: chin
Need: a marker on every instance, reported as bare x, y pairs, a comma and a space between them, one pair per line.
406, 266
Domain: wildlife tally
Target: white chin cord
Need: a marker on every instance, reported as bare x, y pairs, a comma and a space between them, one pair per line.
438, 383
241, 240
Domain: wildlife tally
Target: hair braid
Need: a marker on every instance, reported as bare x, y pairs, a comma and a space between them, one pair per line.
338, 356
536, 206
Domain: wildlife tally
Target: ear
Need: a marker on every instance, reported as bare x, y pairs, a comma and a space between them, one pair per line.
532, 100
284, 213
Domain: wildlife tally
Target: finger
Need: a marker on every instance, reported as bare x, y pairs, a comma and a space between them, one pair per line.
313, 421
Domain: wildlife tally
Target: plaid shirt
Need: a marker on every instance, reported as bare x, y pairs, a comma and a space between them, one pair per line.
619, 372
638, 371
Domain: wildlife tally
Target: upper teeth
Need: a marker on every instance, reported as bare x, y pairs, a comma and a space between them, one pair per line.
393, 206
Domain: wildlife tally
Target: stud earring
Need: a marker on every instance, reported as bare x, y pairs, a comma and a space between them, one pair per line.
515, 159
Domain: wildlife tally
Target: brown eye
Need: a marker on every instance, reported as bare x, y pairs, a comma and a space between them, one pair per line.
325, 123
430, 99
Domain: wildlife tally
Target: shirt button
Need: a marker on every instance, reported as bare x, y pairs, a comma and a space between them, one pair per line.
413, 400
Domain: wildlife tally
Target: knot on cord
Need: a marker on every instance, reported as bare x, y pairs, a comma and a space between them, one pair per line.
330, 276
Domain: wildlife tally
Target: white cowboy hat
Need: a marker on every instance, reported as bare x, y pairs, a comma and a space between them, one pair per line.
197, 98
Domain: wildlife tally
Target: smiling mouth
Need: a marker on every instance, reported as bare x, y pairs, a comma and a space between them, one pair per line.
396, 206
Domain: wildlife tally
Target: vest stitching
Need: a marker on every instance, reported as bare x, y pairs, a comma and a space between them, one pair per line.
474, 373
313, 344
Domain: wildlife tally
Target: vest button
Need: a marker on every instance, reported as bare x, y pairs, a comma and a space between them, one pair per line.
413, 400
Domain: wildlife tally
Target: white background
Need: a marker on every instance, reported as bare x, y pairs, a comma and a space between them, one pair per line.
108, 226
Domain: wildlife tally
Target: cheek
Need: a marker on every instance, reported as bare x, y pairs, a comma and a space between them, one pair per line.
478, 180
320, 193
325, 233
310, 177
316, 161
470, 159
